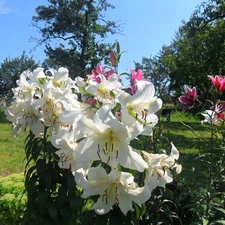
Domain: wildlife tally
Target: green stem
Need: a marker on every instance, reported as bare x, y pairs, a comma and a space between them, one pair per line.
209, 187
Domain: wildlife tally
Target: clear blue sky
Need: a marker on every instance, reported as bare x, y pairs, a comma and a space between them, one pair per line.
147, 26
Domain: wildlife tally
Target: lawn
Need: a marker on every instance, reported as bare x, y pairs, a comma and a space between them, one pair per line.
12, 148
191, 138
185, 131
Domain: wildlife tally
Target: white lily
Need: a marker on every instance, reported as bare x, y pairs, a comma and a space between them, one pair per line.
115, 188
102, 91
26, 89
21, 114
212, 118
38, 76
141, 106
158, 173
65, 141
74, 109
107, 139
60, 78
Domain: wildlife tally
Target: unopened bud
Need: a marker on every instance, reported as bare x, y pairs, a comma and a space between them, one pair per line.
113, 58
118, 47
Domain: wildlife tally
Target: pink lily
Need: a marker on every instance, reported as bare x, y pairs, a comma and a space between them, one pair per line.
191, 99
137, 76
218, 83
220, 110
100, 70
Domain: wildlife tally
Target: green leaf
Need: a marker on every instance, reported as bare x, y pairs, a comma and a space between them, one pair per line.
88, 217
102, 220
205, 221
143, 209
31, 184
219, 221
62, 195
41, 201
118, 56
220, 209
47, 179
137, 210
71, 182
66, 214
74, 202
41, 167
51, 207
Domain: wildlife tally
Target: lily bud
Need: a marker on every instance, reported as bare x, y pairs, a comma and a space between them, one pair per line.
113, 58
118, 47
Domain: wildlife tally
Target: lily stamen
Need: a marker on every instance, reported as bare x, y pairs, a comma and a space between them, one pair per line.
108, 160
117, 199
98, 152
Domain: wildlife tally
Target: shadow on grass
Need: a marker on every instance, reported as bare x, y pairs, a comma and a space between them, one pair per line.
3, 117
186, 126
190, 138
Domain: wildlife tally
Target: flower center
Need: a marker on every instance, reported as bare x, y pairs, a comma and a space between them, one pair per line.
141, 118
108, 147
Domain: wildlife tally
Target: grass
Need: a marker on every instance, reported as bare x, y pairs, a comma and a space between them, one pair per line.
190, 138
12, 148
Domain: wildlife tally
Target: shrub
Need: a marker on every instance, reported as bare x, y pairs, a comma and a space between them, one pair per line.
12, 199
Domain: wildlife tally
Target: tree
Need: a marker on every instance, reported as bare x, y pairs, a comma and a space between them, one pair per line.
155, 71
72, 31
10, 71
197, 50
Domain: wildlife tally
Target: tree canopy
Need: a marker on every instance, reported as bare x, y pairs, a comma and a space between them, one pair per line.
197, 50
73, 33
10, 70
155, 72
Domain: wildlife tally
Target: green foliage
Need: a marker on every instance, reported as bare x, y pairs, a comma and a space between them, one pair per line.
53, 197
51, 189
157, 73
197, 50
78, 27
11, 149
12, 199
176, 204
10, 70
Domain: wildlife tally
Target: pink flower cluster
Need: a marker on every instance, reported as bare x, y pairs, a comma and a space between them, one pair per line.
216, 113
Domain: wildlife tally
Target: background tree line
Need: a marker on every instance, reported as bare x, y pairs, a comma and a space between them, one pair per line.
73, 33
197, 50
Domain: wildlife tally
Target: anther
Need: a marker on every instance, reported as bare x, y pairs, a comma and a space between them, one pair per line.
117, 153
98, 147
108, 160
136, 116
143, 114
98, 152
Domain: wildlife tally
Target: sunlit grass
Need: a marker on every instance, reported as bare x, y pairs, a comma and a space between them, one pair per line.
184, 130
11, 149
190, 137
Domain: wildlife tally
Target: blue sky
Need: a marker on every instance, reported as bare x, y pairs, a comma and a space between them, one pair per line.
147, 26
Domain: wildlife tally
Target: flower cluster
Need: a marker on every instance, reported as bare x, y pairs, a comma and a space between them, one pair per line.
92, 121
216, 114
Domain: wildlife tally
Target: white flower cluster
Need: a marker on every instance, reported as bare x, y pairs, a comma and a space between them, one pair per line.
91, 122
